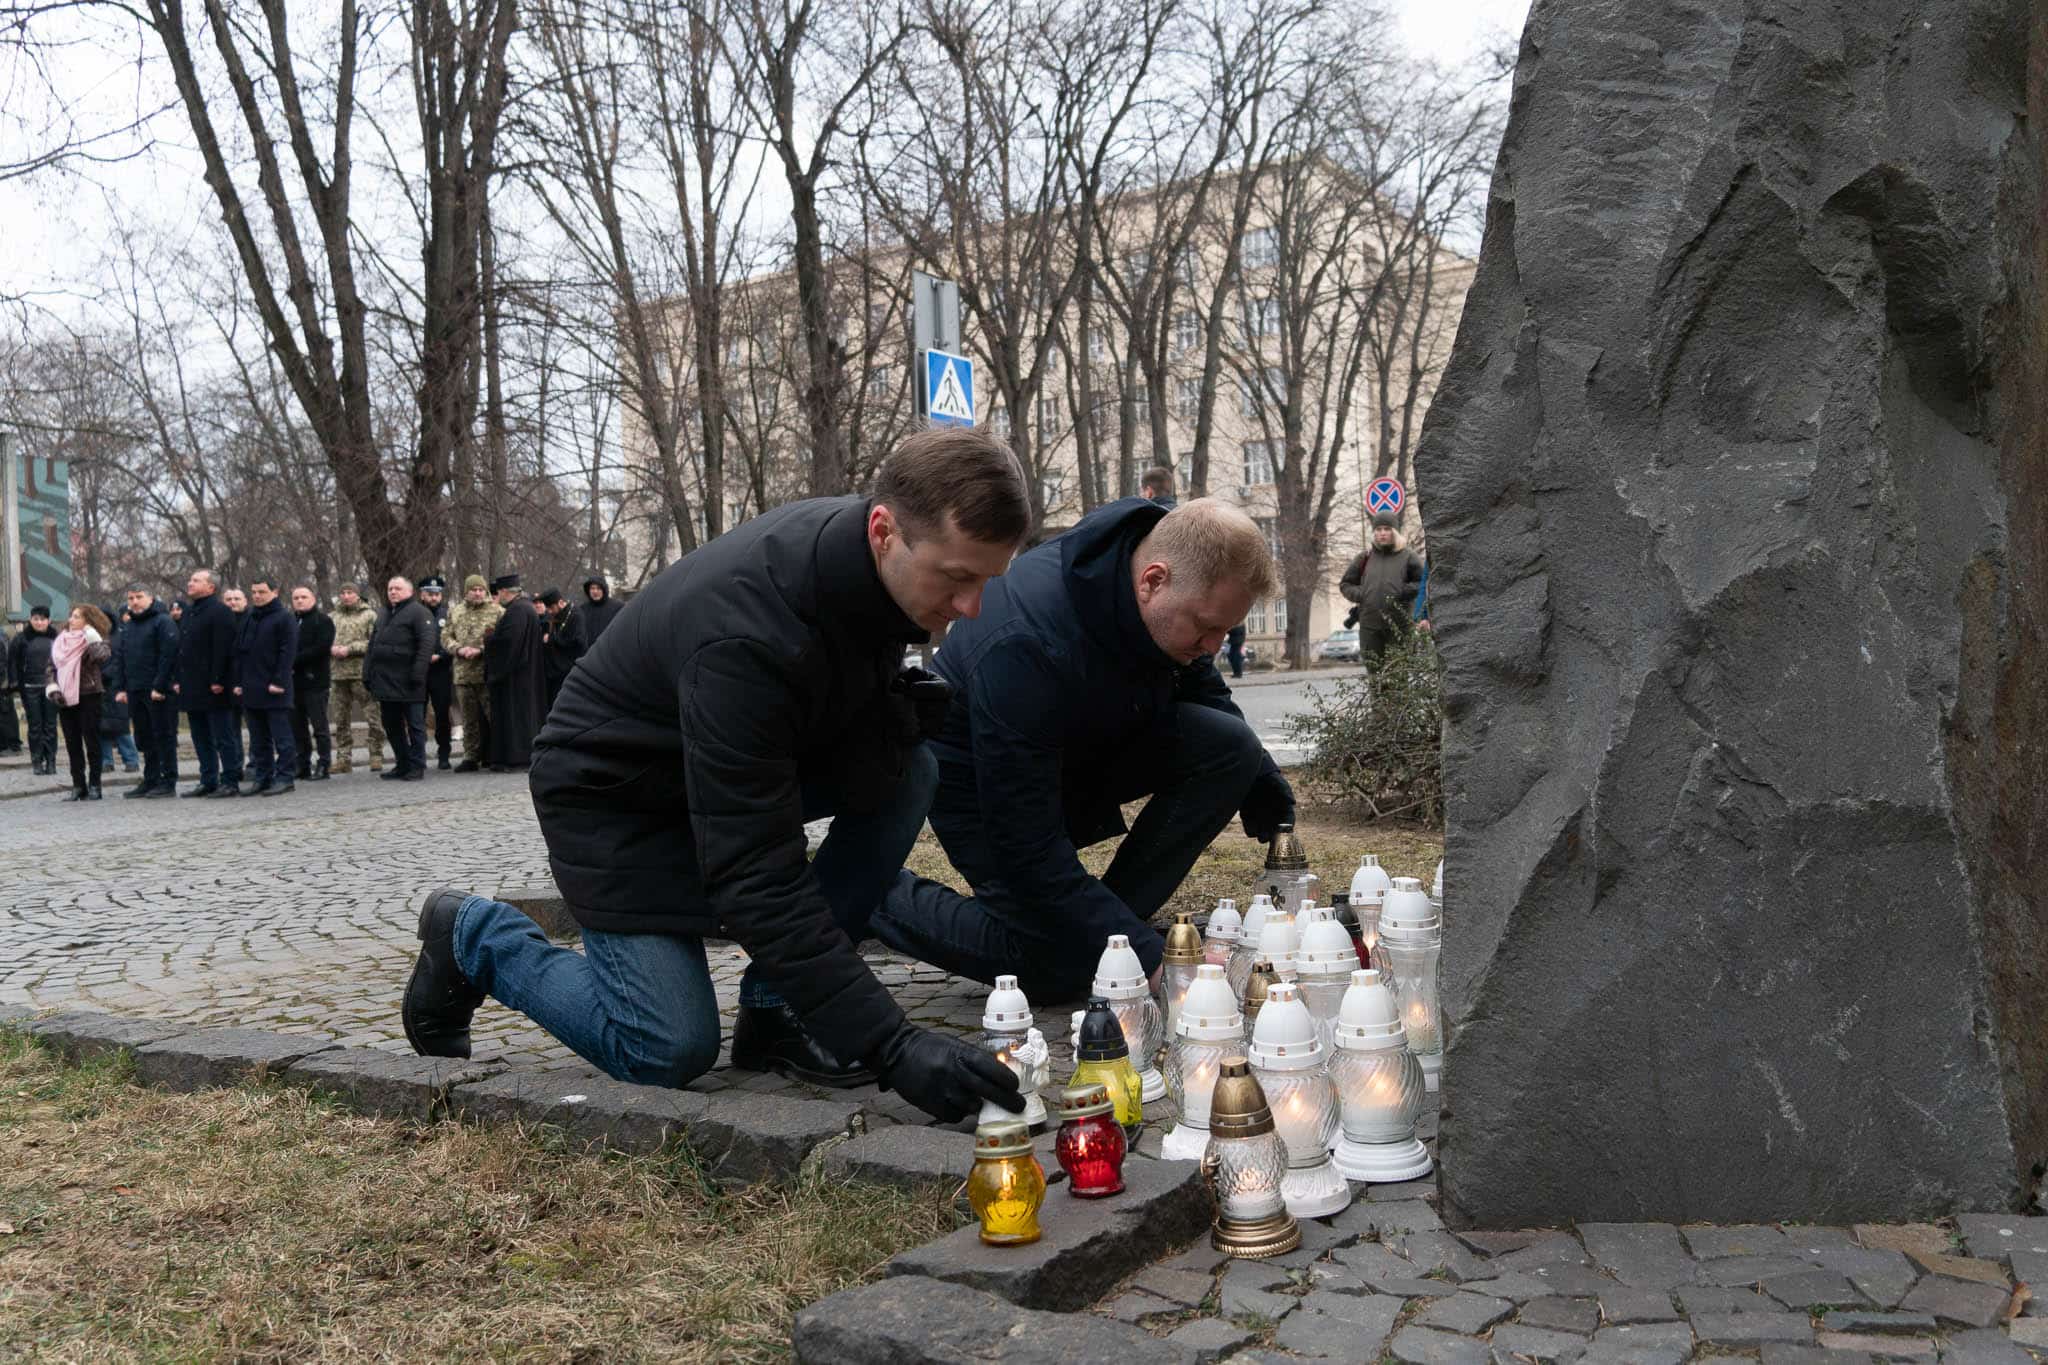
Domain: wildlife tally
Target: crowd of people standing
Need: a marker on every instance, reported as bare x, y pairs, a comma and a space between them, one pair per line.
270, 685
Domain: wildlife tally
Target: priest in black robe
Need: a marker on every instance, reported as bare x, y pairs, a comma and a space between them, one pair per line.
561, 639
515, 676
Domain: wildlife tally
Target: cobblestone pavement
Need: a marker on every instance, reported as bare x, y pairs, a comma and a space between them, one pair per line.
297, 914
1384, 1281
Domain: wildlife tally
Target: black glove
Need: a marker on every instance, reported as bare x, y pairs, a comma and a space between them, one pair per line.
1351, 618
1267, 806
944, 1076
919, 701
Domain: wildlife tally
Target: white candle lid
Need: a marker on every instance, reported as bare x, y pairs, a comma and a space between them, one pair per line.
1285, 1038
1225, 924
1371, 881
1118, 974
1007, 1010
1208, 1012
1369, 1020
1255, 918
1326, 947
1407, 909
1277, 939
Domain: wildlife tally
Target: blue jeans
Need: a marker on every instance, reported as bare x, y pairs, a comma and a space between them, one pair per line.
126, 744
641, 1007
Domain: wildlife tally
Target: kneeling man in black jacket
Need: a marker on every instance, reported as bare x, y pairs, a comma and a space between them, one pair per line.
1086, 683
755, 684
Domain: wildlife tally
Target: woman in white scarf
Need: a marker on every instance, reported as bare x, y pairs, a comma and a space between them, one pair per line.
74, 684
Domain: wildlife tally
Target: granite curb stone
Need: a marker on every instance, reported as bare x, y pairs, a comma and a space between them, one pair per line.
1086, 1250
902, 1154
913, 1320
393, 1085
204, 1058
1751, 1329
1884, 1348
588, 1107
1963, 1302
79, 1034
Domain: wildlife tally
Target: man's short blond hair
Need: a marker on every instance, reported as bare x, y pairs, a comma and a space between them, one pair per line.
1206, 542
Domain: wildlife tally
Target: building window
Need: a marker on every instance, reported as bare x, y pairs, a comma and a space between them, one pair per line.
878, 382
1137, 265
1184, 469
1098, 344
999, 422
1255, 619
1258, 463
1187, 400
1264, 392
1184, 268
1052, 489
1187, 330
1141, 406
1270, 528
1261, 248
1048, 415
1261, 317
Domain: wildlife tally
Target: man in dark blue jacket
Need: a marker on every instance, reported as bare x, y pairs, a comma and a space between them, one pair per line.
205, 685
140, 675
264, 651
1084, 684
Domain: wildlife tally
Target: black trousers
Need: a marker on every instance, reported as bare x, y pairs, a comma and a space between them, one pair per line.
441, 695
271, 760
42, 725
10, 730
1196, 765
156, 734
405, 725
82, 738
309, 727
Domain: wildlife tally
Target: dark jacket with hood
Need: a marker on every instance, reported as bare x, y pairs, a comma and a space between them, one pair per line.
206, 654
313, 665
1052, 683
1383, 583
597, 615
146, 657
759, 660
264, 651
395, 668
28, 655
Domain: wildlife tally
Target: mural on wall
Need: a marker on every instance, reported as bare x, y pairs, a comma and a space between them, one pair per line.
38, 531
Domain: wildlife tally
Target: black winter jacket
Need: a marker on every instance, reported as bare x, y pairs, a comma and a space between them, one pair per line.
263, 656
28, 656
395, 668
313, 665
1050, 684
596, 616
206, 654
755, 661
146, 657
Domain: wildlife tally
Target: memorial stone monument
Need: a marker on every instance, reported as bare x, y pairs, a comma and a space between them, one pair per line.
1738, 509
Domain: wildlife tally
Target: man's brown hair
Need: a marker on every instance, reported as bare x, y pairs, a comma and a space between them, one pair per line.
965, 471
1158, 479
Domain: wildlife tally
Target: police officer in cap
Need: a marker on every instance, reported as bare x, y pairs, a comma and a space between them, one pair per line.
441, 670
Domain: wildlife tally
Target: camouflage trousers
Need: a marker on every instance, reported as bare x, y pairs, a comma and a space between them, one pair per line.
473, 700
351, 697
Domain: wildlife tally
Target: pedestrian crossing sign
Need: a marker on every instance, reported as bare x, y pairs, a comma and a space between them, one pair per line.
949, 388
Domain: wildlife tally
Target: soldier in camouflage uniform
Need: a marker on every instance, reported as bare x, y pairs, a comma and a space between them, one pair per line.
462, 635
354, 620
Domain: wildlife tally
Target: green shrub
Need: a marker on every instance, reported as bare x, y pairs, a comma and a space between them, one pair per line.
1377, 741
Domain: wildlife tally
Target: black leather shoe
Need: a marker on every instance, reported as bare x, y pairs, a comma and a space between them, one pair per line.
199, 791
439, 1000
468, 765
395, 775
228, 789
443, 765
414, 775
773, 1038
92, 793
134, 792
321, 772
276, 789
163, 790
77, 794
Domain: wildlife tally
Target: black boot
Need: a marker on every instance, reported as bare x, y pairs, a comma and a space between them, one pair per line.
439, 999
320, 772
92, 793
77, 794
773, 1038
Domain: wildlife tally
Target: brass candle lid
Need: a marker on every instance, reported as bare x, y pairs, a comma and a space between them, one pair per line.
1237, 1106
1084, 1101
1256, 985
1183, 941
1285, 853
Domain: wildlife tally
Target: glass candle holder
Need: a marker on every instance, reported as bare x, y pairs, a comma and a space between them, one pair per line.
1287, 1058
1120, 980
1177, 966
1101, 1055
1411, 944
1379, 1087
1006, 1030
1243, 1167
1278, 940
1007, 1184
1246, 950
1369, 886
1225, 924
1091, 1144
1209, 1031
1322, 967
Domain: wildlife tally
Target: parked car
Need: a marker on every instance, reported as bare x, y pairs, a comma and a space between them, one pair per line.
1340, 647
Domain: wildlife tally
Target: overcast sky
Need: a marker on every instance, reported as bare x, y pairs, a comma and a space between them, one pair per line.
59, 229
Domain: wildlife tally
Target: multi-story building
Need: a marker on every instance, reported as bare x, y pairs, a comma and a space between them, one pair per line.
1272, 374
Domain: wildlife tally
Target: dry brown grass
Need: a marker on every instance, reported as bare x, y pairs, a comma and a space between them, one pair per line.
1334, 840
261, 1224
